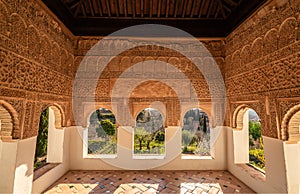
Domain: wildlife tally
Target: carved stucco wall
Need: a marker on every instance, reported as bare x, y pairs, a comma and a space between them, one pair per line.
155, 91
36, 58
262, 68
39, 59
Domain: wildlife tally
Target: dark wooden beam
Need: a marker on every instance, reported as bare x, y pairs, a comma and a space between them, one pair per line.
231, 3
220, 5
176, 8
184, 8
83, 9
100, 8
211, 3
158, 9
77, 10
167, 8
108, 8
217, 12
151, 8
133, 5
208, 28
243, 10
142, 8
75, 4
227, 8
125, 8
193, 8
62, 12
117, 7
201, 8
92, 8
80, 22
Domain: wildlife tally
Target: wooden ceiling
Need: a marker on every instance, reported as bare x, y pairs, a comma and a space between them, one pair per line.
202, 18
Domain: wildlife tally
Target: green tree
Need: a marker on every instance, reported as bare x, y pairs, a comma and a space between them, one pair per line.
106, 128
140, 117
98, 113
251, 143
160, 136
257, 158
151, 135
187, 138
148, 138
255, 130
139, 136
42, 138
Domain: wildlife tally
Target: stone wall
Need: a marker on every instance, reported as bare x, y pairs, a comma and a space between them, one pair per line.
36, 55
262, 64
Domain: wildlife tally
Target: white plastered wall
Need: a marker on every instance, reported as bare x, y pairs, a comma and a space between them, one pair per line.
57, 152
55, 140
241, 142
7, 165
47, 179
292, 158
124, 155
16, 166
24, 165
276, 181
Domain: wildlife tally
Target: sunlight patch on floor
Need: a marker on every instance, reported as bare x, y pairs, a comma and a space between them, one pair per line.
137, 188
200, 188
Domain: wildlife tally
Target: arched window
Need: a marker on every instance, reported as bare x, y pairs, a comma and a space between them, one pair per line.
256, 148
294, 128
248, 141
49, 142
102, 133
40, 158
195, 136
149, 134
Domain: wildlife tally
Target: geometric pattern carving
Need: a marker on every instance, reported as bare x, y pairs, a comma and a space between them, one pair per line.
9, 122
149, 91
3, 19
287, 32
18, 30
34, 45
256, 49
38, 61
290, 124
293, 127
6, 125
270, 42
270, 68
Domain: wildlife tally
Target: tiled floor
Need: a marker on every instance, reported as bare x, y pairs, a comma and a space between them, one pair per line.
148, 182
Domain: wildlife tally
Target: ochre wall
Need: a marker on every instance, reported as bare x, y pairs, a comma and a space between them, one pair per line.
36, 62
262, 65
39, 58
146, 93
38, 53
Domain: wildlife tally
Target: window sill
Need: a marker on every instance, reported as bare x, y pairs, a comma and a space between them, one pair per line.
193, 157
253, 171
103, 156
148, 157
44, 169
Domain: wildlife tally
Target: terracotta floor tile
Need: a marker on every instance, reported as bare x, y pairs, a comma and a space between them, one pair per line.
123, 182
